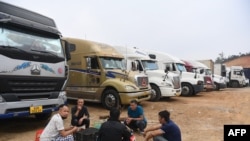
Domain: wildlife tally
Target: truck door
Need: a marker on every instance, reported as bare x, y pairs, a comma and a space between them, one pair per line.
93, 76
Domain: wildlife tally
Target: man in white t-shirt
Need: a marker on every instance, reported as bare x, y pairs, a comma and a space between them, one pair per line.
55, 131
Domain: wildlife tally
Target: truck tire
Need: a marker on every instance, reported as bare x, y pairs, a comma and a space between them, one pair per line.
43, 116
186, 89
156, 93
217, 86
110, 99
235, 84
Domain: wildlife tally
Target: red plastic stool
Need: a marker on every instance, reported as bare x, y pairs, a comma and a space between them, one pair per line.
132, 138
38, 134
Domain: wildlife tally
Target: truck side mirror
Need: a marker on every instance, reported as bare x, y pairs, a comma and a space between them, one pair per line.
167, 69
88, 60
201, 71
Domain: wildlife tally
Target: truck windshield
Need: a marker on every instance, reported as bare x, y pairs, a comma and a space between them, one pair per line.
208, 72
149, 65
30, 42
181, 67
112, 63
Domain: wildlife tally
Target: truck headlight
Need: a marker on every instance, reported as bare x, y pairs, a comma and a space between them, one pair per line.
130, 88
1, 99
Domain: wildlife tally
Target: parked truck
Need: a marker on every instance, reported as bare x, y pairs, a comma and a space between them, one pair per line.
219, 82
197, 67
236, 77
163, 84
191, 83
97, 74
33, 70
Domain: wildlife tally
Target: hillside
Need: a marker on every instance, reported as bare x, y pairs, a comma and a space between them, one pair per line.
243, 61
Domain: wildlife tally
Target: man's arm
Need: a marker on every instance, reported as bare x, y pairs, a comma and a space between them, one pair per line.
65, 132
68, 128
141, 117
86, 112
152, 128
152, 133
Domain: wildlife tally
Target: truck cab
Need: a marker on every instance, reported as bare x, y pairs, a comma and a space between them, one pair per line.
163, 83
33, 71
236, 76
197, 67
191, 83
97, 74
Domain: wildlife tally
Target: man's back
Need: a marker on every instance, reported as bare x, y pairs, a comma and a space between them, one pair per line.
114, 131
172, 131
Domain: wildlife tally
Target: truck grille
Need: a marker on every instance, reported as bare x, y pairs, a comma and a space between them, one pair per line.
142, 82
176, 82
207, 80
14, 84
20, 86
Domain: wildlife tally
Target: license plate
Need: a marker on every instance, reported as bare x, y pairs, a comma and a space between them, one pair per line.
36, 109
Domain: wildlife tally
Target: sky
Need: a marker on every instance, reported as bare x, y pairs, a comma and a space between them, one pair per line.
187, 29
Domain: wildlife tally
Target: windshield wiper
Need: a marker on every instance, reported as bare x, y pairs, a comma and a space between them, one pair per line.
42, 51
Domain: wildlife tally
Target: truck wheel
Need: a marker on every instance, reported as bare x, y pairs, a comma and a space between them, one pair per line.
43, 116
217, 86
110, 99
235, 84
186, 90
156, 93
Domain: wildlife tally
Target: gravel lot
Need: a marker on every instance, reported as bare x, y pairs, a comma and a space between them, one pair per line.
200, 117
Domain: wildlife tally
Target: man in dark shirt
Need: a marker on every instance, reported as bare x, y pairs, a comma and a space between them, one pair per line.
167, 130
113, 129
80, 114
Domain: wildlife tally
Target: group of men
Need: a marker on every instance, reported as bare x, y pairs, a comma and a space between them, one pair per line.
113, 129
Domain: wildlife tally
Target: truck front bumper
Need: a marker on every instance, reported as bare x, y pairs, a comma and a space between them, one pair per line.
138, 96
22, 108
208, 87
168, 92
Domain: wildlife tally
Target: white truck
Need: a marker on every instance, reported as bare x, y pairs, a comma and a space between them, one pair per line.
33, 70
163, 84
236, 77
218, 82
196, 67
191, 83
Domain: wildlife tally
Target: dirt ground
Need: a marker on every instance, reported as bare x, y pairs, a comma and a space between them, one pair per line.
200, 117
